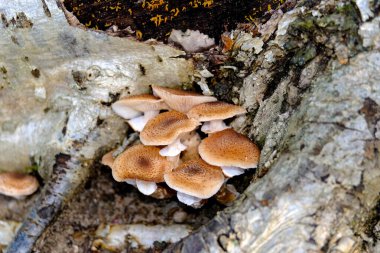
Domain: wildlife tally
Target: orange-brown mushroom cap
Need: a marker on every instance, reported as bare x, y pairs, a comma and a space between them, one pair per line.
229, 148
142, 163
17, 184
143, 102
132, 106
180, 100
215, 111
195, 178
166, 127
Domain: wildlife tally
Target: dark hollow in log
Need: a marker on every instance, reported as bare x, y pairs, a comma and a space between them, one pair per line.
156, 18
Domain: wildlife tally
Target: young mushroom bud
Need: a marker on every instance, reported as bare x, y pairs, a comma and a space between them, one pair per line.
108, 159
213, 113
132, 107
227, 195
194, 181
191, 140
179, 100
17, 185
167, 129
232, 151
142, 164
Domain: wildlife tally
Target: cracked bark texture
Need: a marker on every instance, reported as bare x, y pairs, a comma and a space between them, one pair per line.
319, 137
325, 181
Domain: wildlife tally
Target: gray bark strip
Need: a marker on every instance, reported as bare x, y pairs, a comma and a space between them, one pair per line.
325, 181
58, 81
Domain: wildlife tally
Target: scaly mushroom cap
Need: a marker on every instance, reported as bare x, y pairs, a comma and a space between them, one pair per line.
142, 163
132, 106
195, 178
17, 184
180, 100
166, 127
215, 111
229, 148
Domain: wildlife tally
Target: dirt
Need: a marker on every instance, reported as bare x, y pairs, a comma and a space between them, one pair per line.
105, 201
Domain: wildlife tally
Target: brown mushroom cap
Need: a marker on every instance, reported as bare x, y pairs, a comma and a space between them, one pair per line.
195, 178
180, 100
143, 103
140, 162
166, 127
132, 106
229, 148
215, 111
17, 184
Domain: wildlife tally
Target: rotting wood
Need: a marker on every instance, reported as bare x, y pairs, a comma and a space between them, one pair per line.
156, 18
311, 198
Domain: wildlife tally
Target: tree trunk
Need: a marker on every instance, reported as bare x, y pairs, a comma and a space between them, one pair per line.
312, 94
324, 183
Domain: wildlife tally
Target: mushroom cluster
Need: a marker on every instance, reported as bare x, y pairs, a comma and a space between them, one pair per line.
171, 149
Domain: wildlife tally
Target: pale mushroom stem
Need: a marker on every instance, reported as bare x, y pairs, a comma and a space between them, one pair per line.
173, 149
214, 126
188, 199
131, 182
174, 160
139, 123
146, 187
231, 171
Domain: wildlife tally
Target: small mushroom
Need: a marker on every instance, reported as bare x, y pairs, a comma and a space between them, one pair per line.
132, 107
191, 140
166, 129
180, 100
108, 159
143, 164
213, 113
17, 185
227, 194
194, 181
232, 151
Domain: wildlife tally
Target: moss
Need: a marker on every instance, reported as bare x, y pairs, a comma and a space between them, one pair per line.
304, 56
304, 24
31, 169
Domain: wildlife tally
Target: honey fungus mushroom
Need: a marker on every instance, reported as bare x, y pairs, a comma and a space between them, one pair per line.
213, 114
132, 107
166, 129
232, 151
17, 185
191, 140
108, 159
142, 164
179, 100
194, 181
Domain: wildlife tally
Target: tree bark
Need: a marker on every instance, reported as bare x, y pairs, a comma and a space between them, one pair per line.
318, 193
312, 94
